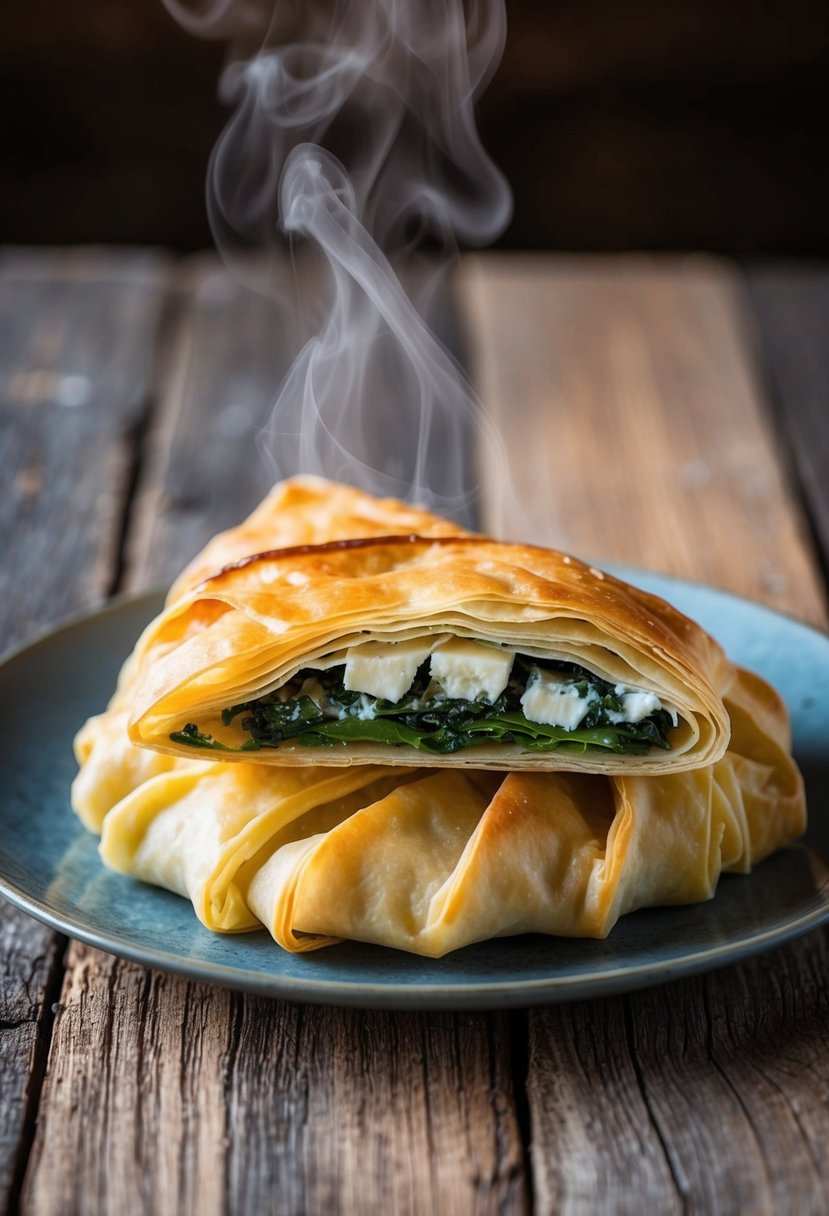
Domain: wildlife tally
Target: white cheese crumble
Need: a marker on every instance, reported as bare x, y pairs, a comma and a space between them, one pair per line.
637, 704
553, 699
385, 669
365, 711
312, 688
466, 670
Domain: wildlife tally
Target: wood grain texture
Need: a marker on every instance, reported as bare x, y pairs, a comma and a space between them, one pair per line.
135, 1073
705, 1096
594, 1145
77, 339
374, 1112
222, 361
789, 308
30, 957
635, 427
733, 1067
212, 1102
708, 1095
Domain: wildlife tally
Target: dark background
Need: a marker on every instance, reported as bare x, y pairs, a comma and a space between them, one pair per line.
621, 124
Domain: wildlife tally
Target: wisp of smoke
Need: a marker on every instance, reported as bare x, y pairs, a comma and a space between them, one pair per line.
353, 133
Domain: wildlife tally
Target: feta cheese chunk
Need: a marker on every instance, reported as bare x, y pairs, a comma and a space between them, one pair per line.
385, 669
552, 698
466, 670
636, 704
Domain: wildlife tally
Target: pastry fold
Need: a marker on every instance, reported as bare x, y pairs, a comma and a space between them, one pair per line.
428, 863
319, 570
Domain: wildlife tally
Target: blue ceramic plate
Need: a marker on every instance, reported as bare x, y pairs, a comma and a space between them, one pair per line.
49, 865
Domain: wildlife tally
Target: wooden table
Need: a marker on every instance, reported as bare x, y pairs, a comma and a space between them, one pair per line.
668, 414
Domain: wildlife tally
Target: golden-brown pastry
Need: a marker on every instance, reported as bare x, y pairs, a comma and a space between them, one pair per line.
332, 628
587, 749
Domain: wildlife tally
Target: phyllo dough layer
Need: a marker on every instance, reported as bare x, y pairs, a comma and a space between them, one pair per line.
324, 580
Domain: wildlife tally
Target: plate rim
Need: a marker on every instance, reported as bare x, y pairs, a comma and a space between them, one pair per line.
422, 995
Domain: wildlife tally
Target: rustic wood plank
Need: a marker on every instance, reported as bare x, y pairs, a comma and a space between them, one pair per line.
223, 364
77, 335
286, 1108
204, 1100
135, 1073
399, 1113
31, 961
593, 1147
631, 413
708, 1095
76, 343
734, 1070
789, 307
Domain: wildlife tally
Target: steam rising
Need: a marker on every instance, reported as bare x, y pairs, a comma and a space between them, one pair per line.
353, 133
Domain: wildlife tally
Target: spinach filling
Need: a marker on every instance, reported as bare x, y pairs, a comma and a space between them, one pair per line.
427, 719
